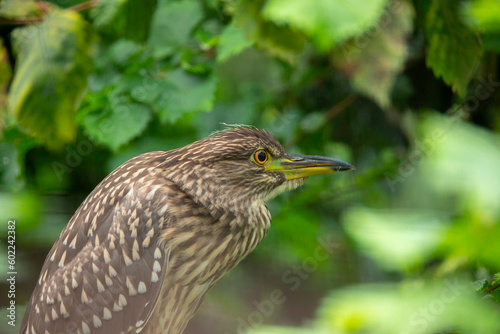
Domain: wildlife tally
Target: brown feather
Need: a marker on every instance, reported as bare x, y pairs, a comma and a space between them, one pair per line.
154, 236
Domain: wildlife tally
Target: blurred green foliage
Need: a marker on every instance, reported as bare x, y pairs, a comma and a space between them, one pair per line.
407, 91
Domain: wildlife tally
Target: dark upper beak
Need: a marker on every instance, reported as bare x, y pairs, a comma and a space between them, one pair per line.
300, 166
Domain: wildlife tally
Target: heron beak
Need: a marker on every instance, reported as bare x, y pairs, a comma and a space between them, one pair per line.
300, 166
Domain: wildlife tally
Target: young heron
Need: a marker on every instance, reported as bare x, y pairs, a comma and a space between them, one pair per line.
154, 236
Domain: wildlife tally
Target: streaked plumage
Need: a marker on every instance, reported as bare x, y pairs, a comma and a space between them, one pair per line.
154, 236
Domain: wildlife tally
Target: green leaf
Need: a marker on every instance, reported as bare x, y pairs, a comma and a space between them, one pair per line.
126, 18
480, 285
451, 144
123, 58
483, 14
117, 124
19, 9
138, 16
9, 168
473, 239
464, 161
496, 295
395, 239
326, 21
51, 76
123, 52
290, 223
5, 75
276, 39
106, 12
5, 71
208, 33
491, 42
24, 206
185, 93
453, 51
231, 42
173, 24
12, 162
280, 41
412, 308
373, 61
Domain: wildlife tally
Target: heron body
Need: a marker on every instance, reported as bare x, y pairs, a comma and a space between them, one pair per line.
154, 236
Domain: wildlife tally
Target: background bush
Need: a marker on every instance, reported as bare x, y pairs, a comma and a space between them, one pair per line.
407, 91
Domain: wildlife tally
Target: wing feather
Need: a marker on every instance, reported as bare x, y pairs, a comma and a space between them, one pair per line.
107, 267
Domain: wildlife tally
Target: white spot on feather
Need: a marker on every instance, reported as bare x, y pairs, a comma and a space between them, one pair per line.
85, 328
97, 321
106, 314
142, 287
112, 271
156, 266
54, 314
122, 300
162, 210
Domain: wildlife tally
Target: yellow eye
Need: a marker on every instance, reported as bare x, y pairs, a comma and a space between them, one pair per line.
260, 157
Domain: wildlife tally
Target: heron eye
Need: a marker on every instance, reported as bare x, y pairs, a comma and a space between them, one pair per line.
260, 157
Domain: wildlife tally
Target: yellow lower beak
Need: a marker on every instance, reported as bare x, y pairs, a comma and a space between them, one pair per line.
300, 166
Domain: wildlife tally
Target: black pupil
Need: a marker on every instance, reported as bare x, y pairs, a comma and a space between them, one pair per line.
261, 156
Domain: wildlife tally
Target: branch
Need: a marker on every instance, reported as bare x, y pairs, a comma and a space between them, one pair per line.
339, 107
